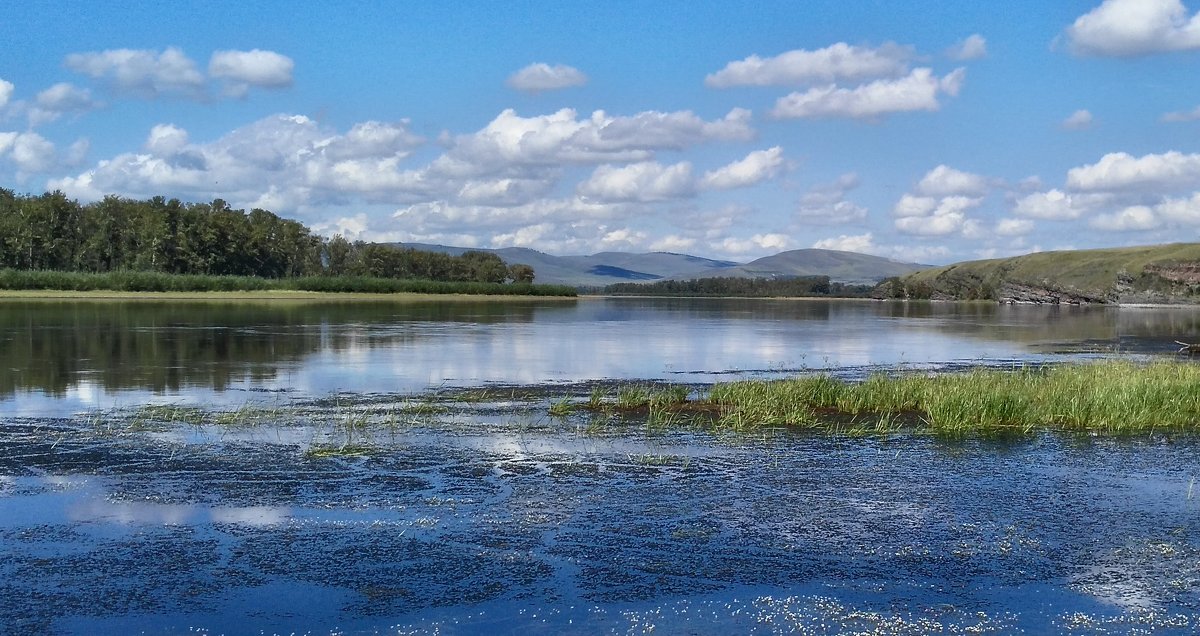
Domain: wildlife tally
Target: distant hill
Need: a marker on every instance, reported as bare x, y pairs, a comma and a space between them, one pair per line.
1149, 274
842, 267
606, 268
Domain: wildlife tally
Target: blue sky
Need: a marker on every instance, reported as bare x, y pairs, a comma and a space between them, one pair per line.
927, 131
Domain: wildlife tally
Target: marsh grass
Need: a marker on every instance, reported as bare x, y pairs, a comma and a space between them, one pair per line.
1112, 397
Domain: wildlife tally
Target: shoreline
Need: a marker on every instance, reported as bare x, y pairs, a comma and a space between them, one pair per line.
264, 295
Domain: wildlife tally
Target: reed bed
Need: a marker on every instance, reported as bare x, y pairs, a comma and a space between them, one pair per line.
1110, 397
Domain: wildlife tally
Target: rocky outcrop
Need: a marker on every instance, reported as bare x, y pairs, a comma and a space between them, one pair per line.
1022, 293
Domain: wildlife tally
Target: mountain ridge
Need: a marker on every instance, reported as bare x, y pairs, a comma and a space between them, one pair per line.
606, 268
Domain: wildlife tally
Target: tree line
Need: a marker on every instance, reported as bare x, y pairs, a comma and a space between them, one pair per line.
800, 286
53, 232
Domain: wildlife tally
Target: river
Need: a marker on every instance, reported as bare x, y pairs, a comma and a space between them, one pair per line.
391, 468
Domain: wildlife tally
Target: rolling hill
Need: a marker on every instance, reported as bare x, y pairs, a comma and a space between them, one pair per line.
1148, 274
606, 268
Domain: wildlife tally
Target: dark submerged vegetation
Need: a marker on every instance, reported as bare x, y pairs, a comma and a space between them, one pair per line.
52, 242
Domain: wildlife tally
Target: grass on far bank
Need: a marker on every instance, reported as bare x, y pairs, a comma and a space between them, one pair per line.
140, 282
1111, 398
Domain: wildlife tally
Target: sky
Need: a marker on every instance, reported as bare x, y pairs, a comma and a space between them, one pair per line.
922, 131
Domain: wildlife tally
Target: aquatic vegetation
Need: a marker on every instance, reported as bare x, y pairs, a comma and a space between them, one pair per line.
1113, 397
562, 408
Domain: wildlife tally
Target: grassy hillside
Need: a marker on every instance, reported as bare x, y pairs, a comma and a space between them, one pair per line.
1157, 273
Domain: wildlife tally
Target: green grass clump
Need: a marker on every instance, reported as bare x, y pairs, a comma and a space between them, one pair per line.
1108, 397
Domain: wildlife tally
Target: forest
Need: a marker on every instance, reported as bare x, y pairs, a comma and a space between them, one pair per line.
800, 286
51, 232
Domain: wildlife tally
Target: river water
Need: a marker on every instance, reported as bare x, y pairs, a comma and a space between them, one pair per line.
391, 468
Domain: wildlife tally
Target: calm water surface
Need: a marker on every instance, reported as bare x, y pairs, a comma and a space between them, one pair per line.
281, 468
71, 355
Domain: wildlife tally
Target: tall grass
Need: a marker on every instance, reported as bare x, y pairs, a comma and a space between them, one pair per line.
135, 281
1112, 397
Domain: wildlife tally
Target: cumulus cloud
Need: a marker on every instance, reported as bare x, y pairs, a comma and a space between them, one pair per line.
1134, 27
826, 203
290, 153
756, 244
865, 244
834, 63
6, 91
644, 181
562, 137
146, 73
1056, 205
1078, 120
861, 243
1133, 218
945, 181
756, 167
1014, 227
544, 77
674, 243
917, 91
59, 100
1121, 171
1181, 116
29, 152
241, 70
971, 48
930, 216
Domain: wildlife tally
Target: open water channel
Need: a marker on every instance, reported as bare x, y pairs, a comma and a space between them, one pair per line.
387, 468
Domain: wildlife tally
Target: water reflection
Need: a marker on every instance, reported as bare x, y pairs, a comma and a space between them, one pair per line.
79, 352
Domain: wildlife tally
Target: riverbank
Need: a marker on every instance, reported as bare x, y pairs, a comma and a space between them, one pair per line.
264, 295
149, 282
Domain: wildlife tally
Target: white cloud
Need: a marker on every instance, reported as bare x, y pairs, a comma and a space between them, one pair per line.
1182, 115
543, 77
756, 244
1078, 120
550, 140
917, 91
1014, 227
865, 244
1133, 218
143, 72
834, 63
1134, 27
756, 167
910, 205
645, 181
165, 140
945, 181
6, 91
290, 153
827, 204
1055, 205
1183, 211
971, 48
673, 243
58, 100
946, 216
1121, 171
241, 70
861, 243
28, 151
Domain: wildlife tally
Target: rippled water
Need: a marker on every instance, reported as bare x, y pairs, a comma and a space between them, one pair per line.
351, 505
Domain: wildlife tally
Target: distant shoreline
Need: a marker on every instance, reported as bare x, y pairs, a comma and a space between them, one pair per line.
263, 295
